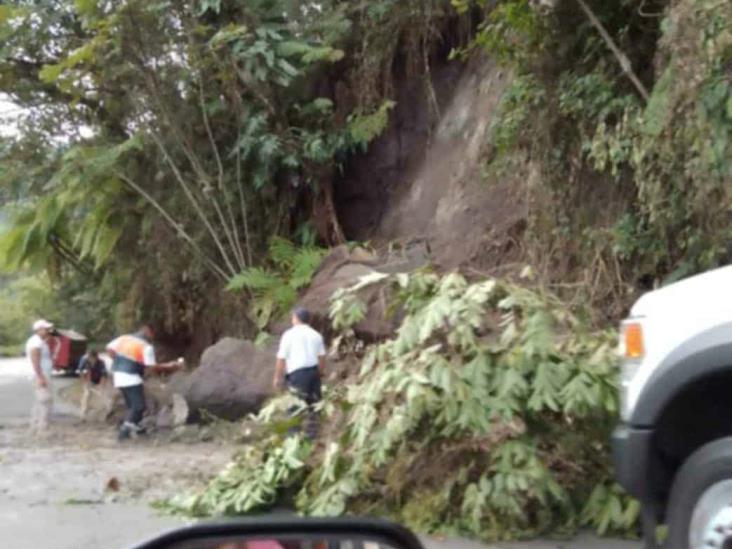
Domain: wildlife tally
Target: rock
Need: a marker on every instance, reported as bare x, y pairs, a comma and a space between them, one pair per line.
376, 325
173, 414
233, 379
341, 268
180, 410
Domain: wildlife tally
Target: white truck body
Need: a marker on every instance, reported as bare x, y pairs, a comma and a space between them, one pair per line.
670, 317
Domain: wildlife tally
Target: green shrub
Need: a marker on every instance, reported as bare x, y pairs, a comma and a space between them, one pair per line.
491, 406
274, 287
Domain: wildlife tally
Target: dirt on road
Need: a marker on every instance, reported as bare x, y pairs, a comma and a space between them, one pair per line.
78, 487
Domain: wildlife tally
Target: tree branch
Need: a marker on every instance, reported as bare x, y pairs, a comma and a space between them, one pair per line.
625, 63
69, 255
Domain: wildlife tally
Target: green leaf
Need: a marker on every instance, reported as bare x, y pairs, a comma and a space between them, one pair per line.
85, 8
254, 278
323, 104
287, 67
282, 252
657, 111
364, 128
208, 5
106, 240
51, 73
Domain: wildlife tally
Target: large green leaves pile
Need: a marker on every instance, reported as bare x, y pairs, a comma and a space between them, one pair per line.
487, 413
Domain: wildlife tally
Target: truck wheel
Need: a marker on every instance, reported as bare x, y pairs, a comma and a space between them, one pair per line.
700, 507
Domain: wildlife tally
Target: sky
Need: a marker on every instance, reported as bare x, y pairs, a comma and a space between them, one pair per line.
8, 111
11, 113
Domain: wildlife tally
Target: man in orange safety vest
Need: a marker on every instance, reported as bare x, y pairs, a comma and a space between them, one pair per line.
133, 356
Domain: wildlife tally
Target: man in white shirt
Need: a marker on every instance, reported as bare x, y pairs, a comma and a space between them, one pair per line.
132, 356
39, 356
301, 358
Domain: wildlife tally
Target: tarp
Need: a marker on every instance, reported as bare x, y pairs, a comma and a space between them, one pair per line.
72, 335
67, 347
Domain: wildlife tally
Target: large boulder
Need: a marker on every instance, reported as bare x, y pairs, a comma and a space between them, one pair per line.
341, 269
345, 267
233, 379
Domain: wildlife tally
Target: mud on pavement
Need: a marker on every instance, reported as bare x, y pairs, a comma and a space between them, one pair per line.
78, 487
79, 463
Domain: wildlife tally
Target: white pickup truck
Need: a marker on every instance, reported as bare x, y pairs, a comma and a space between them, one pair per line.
673, 448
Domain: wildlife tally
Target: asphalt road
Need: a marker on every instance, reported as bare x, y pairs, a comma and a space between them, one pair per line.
43, 498
35, 482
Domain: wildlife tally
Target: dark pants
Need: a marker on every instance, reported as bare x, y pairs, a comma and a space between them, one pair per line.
305, 384
135, 403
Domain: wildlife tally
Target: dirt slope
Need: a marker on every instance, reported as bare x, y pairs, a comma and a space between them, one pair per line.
423, 182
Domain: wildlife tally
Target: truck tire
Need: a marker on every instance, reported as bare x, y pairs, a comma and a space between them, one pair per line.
700, 507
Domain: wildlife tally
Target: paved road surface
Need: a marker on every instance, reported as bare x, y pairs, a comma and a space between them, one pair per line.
39, 518
34, 514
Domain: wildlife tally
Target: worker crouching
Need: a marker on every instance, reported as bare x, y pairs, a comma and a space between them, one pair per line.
133, 356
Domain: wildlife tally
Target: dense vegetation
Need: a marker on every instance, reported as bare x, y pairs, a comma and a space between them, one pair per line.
168, 150
160, 145
632, 144
488, 414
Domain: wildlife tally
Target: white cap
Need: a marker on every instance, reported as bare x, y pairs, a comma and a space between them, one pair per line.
42, 325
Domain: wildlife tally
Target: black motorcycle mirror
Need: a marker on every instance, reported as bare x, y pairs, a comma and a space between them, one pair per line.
287, 533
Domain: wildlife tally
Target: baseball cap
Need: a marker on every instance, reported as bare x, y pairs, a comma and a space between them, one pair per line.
41, 325
302, 314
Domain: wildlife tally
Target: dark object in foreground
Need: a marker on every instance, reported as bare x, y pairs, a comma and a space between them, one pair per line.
288, 532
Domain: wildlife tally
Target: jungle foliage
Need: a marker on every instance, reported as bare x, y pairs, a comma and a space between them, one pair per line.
644, 182
167, 148
274, 287
156, 147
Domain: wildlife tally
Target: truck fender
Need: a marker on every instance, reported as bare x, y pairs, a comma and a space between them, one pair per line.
706, 353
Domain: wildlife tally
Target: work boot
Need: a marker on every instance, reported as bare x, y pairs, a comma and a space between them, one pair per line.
123, 434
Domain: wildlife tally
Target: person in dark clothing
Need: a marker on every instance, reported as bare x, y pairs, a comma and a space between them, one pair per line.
92, 367
301, 358
93, 373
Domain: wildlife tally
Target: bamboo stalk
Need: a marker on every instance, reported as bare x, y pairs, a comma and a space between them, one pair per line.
194, 202
232, 232
242, 200
179, 230
197, 166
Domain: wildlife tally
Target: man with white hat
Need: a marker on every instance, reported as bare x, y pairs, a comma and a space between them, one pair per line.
39, 356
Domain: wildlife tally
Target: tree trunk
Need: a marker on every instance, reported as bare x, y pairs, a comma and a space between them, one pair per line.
325, 217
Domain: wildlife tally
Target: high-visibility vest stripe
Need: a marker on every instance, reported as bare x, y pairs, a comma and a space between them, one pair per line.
131, 347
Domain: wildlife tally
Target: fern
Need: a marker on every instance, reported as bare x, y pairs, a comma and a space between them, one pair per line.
304, 266
364, 128
256, 279
274, 288
282, 252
